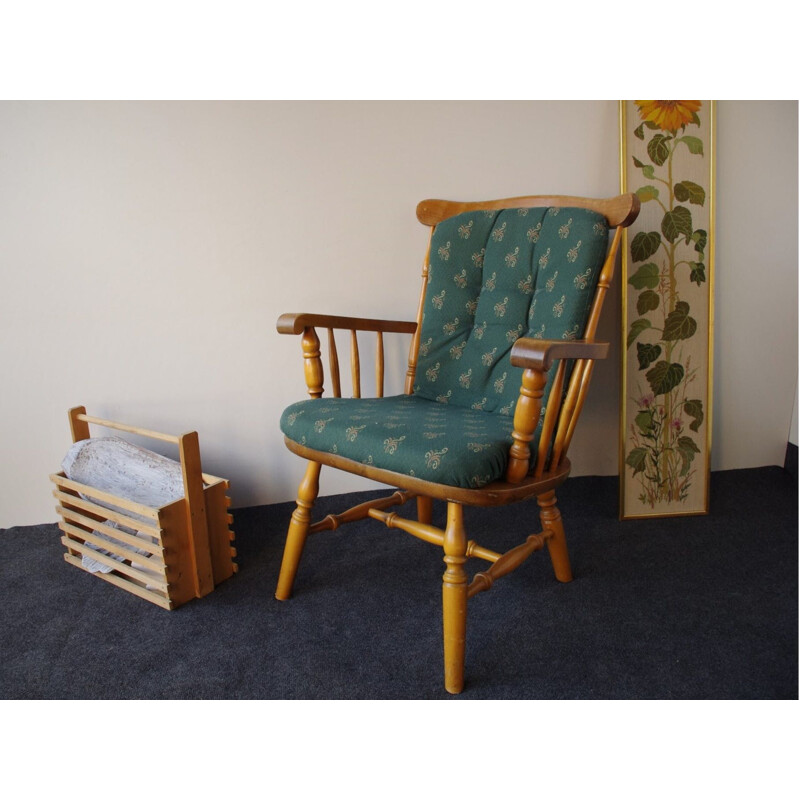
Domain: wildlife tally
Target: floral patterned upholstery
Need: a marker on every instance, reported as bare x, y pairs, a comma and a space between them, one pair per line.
494, 276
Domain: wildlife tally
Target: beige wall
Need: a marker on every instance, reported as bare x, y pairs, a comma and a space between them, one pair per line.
146, 250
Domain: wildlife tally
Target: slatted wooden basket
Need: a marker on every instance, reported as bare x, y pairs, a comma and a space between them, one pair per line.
190, 551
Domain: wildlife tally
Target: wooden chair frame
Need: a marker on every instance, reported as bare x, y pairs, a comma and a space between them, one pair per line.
528, 474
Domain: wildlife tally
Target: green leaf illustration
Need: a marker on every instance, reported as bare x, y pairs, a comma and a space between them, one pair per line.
639, 132
699, 237
644, 245
679, 325
687, 449
648, 170
694, 409
644, 420
658, 149
646, 277
698, 272
637, 326
677, 222
648, 301
647, 354
646, 193
694, 144
637, 459
687, 190
664, 377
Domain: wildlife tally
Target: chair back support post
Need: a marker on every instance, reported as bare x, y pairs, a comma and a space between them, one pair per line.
333, 363
582, 373
413, 350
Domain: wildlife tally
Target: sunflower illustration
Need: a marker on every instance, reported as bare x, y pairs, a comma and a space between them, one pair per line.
669, 115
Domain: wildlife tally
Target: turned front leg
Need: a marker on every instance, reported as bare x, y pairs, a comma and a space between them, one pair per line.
298, 530
557, 543
454, 599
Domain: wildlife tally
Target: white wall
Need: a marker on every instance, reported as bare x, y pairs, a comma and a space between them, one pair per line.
146, 250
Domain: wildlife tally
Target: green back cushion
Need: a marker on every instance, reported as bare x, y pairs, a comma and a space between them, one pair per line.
495, 276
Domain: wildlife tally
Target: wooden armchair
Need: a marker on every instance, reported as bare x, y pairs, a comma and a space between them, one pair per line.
510, 288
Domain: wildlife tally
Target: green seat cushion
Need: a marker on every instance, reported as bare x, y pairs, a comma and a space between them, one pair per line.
407, 434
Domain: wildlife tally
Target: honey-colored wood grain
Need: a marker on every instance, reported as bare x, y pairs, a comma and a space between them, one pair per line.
526, 418
118, 426
361, 511
79, 427
294, 324
379, 365
425, 509
89, 524
312, 363
298, 530
105, 497
159, 598
199, 547
175, 524
220, 534
498, 493
122, 567
507, 563
429, 533
556, 542
620, 210
333, 364
550, 417
454, 599
541, 353
355, 364
98, 512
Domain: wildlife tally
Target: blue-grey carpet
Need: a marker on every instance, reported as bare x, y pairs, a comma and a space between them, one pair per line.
692, 607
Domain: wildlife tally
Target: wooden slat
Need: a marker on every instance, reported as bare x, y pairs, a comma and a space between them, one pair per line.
333, 361
105, 497
156, 566
96, 525
355, 364
413, 350
550, 417
568, 410
118, 426
199, 547
122, 583
120, 566
107, 513
379, 366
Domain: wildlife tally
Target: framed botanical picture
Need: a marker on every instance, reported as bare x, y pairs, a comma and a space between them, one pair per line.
667, 159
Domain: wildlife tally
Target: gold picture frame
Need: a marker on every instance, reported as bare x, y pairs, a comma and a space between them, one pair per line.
667, 157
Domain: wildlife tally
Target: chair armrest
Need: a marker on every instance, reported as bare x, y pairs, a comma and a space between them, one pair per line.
296, 323
536, 356
539, 354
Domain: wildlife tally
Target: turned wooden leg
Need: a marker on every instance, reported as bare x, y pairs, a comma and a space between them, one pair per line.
424, 509
557, 543
298, 530
454, 599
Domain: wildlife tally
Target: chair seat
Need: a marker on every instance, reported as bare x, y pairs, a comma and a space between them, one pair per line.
406, 434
